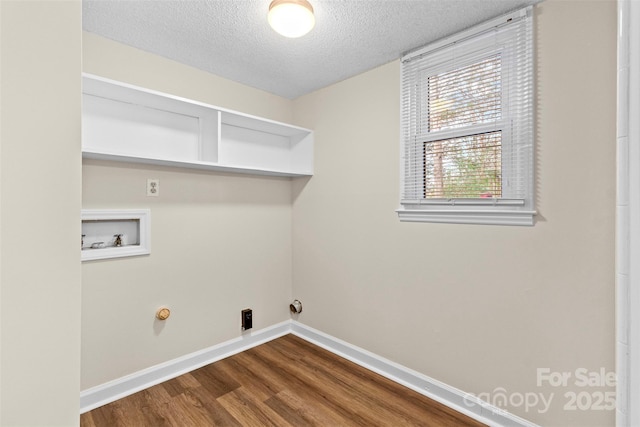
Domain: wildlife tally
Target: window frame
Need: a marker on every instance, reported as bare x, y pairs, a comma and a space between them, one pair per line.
477, 43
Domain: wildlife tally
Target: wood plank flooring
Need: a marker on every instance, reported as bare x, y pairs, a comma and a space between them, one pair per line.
285, 382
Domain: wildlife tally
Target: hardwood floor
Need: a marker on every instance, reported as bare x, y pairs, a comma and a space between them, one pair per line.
285, 382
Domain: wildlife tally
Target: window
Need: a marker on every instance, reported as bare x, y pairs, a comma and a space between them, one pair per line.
467, 126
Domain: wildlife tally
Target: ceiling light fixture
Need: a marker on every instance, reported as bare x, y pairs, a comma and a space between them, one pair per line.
291, 18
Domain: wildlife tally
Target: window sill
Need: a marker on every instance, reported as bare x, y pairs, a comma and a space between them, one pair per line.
468, 216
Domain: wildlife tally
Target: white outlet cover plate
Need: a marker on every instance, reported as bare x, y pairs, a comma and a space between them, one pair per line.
153, 187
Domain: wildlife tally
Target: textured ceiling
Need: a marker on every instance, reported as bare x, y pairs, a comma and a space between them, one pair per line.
232, 39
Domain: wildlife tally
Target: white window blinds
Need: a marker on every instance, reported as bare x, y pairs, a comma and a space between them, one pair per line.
467, 125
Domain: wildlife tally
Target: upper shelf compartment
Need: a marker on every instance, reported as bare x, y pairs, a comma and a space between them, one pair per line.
128, 123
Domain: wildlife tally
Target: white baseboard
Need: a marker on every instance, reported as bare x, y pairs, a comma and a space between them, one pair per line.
449, 396
117, 389
434, 389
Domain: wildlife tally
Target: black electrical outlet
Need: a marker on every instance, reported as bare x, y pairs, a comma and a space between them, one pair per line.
247, 319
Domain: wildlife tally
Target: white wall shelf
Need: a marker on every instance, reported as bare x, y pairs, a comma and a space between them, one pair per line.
100, 227
122, 122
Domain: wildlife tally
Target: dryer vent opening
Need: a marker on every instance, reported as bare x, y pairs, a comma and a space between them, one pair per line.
295, 307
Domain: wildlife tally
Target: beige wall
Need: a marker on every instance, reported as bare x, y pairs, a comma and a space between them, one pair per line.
477, 307
220, 242
39, 212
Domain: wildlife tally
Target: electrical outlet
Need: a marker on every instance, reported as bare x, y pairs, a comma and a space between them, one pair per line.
153, 187
247, 319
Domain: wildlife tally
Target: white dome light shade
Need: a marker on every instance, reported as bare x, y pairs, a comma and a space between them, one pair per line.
291, 18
